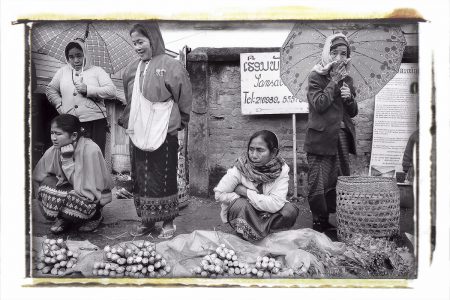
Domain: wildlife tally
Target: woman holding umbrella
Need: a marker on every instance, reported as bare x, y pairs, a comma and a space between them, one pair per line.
159, 97
79, 89
330, 135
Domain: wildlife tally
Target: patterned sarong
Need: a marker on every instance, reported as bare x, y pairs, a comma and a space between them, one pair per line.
63, 202
322, 177
253, 224
154, 176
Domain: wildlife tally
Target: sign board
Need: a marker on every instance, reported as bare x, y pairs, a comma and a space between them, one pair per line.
262, 91
395, 119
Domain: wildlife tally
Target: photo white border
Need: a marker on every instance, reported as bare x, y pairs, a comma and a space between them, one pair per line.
433, 281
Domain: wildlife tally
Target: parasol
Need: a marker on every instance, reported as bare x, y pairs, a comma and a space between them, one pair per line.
376, 55
108, 43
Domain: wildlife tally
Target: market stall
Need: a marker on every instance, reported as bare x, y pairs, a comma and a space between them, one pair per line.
302, 253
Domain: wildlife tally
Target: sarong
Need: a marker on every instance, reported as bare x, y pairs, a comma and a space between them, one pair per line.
253, 224
62, 202
322, 177
154, 176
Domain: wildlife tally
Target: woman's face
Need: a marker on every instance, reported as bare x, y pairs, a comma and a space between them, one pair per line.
141, 45
61, 138
339, 53
76, 58
258, 152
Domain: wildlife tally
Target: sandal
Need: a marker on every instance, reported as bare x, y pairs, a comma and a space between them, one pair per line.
167, 233
90, 225
59, 226
140, 230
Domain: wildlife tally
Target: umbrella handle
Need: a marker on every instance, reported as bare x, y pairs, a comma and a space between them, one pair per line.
86, 34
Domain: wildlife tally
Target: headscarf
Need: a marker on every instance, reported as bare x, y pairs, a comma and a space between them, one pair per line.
326, 63
259, 174
153, 33
87, 61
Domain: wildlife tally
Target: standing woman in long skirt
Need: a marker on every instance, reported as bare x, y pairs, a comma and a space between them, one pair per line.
330, 135
159, 100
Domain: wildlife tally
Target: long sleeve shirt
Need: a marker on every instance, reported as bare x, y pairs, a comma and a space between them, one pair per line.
271, 200
166, 79
60, 92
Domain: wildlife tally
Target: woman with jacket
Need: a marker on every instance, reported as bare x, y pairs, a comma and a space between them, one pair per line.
79, 89
71, 179
253, 192
159, 97
330, 135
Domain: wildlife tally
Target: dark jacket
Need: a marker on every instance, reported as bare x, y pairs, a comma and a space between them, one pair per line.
326, 111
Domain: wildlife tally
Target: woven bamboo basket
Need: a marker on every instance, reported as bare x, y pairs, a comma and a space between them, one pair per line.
121, 163
367, 205
121, 159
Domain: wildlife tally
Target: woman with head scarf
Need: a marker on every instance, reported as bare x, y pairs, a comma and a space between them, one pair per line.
79, 89
253, 192
330, 135
159, 97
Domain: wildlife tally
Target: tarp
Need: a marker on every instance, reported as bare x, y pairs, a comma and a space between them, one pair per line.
184, 252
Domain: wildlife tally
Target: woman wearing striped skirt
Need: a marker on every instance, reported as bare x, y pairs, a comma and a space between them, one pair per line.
330, 135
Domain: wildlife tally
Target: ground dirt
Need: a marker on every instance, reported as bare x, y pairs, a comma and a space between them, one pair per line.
199, 214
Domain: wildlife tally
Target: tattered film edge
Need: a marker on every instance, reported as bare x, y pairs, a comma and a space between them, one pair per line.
279, 13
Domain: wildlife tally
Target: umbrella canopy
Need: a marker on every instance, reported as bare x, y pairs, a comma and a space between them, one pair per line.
376, 54
108, 43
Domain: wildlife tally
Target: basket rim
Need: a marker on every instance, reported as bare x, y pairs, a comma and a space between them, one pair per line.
365, 179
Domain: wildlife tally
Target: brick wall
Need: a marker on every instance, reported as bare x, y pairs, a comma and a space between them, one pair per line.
220, 133
229, 130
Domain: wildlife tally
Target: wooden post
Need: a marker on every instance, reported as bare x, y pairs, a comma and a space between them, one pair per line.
183, 57
294, 153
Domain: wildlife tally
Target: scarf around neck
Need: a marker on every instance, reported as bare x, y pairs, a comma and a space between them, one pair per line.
259, 174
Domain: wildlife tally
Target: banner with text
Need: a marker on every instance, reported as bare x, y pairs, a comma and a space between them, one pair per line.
262, 91
395, 119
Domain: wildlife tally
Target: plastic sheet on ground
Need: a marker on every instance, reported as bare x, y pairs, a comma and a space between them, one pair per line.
184, 252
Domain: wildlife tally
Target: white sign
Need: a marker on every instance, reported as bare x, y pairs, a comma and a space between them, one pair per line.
395, 120
262, 91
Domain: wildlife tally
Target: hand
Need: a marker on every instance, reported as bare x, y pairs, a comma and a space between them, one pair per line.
81, 87
345, 92
241, 190
67, 151
338, 71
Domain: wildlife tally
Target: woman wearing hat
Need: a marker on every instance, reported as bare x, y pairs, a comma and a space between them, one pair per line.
330, 135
